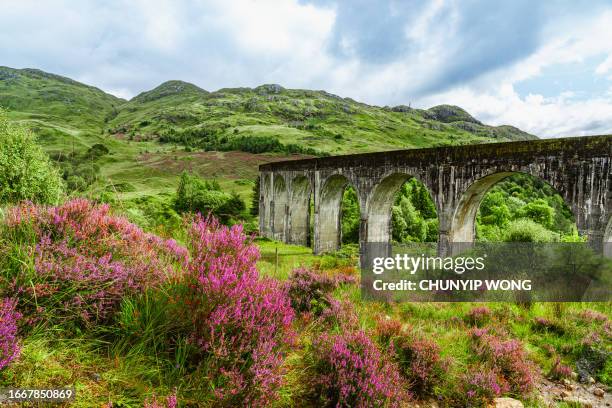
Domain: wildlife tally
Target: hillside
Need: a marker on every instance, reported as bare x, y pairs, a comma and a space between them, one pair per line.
178, 126
55, 106
181, 112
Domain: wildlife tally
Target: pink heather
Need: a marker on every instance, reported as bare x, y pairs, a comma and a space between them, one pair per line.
9, 346
241, 323
349, 371
86, 259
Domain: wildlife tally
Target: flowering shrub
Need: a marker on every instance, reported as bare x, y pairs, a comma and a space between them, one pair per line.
507, 358
349, 371
418, 358
420, 363
481, 384
85, 260
340, 313
240, 323
560, 371
544, 324
478, 316
387, 329
309, 289
170, 402
9, 347
589, 316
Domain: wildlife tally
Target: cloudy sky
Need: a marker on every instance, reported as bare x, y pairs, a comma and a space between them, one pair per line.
544, 66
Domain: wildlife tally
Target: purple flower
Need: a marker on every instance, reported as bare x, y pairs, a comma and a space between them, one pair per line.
350, 371
9, 345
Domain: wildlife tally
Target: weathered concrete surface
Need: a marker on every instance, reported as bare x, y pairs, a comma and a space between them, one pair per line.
580, 169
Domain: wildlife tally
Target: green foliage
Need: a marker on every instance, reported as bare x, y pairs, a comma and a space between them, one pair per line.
350, 216
413, 215
494, 211
539, 211
214, 139
526, 230
255, 197
26, 172
203, 196
81, 169
523, 201
155, 214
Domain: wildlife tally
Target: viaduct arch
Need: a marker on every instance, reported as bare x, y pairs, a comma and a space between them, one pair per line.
457, 177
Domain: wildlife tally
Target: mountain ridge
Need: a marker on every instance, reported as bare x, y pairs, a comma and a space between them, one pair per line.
182, 113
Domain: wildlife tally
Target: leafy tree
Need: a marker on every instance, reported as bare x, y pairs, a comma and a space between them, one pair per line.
493, 209
255, 197
413, 216
539, 211
521, 198
234, 206
526, 230
26, 173
197, 195
350, 216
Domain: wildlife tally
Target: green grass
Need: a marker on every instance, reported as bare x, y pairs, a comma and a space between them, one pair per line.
133, 366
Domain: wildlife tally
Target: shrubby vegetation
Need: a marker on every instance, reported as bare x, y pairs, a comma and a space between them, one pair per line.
26, 173
519, 208
81, 169
524, 208
197, 195
241, 323
73, 264
214, 139
9, 343
350, 216
95, 274
349, 370
214, 332
414, 217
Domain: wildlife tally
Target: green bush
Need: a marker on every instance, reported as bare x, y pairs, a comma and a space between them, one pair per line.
522, 196
527, 230
413, 215
350, 216
26, 173
540, 212
202, 196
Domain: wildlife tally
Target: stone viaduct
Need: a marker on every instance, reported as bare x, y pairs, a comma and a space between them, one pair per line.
458, 177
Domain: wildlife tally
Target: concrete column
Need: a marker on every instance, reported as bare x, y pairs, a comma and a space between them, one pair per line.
265, 200
327, 213
298, 219
607, 239
278, 207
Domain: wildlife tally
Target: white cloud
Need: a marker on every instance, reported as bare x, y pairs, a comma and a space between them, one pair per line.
128, 47
546, 117
493, 99
605, 67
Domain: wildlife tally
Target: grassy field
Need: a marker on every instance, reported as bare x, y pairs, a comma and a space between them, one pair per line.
104, 372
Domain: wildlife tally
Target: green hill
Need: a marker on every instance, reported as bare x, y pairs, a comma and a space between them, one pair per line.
180, 112
178, 126
55, 106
